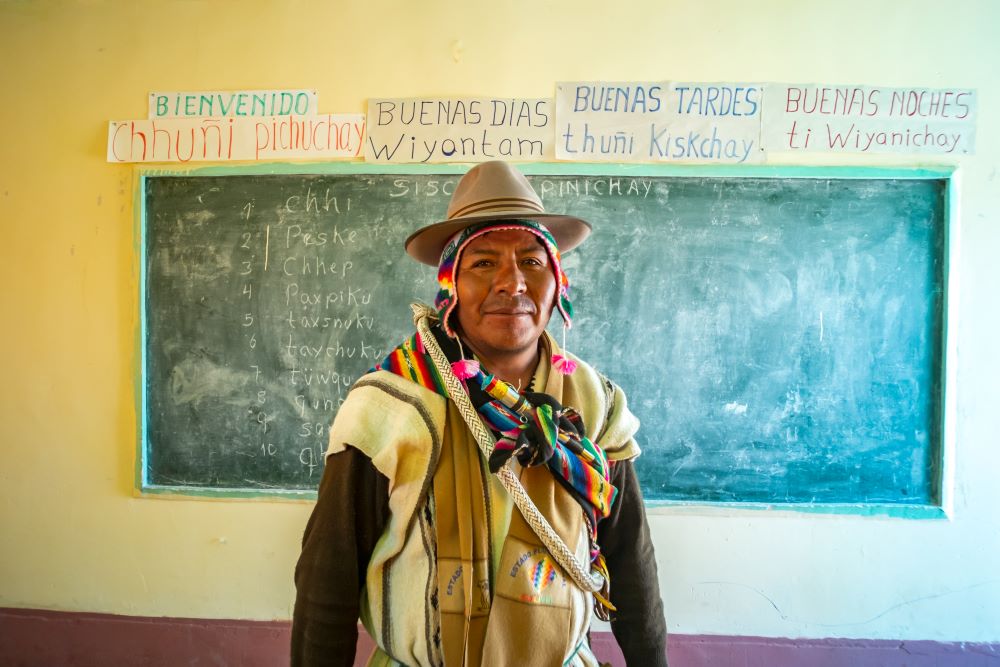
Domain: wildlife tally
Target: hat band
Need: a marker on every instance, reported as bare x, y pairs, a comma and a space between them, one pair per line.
500, 205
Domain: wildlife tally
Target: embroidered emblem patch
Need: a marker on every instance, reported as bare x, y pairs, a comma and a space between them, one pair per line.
542, 574
525, 557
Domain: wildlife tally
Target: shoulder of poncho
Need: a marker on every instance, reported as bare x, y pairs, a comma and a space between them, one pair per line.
385, 412
619, 425
395, 385
590, 375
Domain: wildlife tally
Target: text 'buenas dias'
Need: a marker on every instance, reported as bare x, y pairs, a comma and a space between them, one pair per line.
459, 130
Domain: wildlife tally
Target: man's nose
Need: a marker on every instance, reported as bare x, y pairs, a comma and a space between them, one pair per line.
510, 279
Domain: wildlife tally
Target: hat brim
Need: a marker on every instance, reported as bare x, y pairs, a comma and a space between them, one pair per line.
427, 243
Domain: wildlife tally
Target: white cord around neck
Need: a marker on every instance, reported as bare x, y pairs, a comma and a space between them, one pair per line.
584, 577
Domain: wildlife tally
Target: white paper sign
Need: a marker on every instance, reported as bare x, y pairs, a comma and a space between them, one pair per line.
658, 122
240, 103
463, 129
328, 136
869, 119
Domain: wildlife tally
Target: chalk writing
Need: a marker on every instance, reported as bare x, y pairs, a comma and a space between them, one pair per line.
311, 321
351, 296
312, 265
803, 277
251, 242
303, 402
283, 310
563, 187
295, 236
366, 350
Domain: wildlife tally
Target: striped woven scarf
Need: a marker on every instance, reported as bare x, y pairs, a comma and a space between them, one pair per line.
533, 427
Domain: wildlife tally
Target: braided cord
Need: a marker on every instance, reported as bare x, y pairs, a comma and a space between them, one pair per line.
590, 581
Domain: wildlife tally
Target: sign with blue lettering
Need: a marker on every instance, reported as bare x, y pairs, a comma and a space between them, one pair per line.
658, 122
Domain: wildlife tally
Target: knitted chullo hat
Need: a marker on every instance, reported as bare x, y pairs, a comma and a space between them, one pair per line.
489, 197
447, 296
493, 191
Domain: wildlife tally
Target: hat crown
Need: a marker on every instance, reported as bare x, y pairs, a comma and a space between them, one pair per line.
493, 188
493, 191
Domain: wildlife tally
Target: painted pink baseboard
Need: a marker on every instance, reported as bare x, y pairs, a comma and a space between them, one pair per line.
39, 638
715, 651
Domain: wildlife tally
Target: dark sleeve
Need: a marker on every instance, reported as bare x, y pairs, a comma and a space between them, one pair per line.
639, 625
350, 513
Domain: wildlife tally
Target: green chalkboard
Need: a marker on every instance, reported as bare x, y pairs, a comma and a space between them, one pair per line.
781, 339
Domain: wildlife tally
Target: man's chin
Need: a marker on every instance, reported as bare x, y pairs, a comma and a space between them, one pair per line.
514, 339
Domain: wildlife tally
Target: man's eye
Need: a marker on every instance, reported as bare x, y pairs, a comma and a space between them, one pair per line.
533, 261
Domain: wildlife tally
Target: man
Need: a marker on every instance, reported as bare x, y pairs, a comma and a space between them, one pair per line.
479, 500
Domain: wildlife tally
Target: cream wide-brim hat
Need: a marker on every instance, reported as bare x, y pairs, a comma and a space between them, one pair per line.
493, 191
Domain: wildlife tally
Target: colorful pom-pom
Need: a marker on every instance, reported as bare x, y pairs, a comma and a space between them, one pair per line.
564, 365
465, 368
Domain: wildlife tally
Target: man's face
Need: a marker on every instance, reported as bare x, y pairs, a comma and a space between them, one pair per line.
506, 291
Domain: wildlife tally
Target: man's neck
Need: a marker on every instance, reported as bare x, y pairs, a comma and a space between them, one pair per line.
516, 369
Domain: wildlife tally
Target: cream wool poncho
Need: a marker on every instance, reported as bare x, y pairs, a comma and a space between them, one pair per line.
410, 592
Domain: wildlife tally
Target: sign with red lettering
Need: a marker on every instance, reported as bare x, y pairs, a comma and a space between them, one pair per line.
326, 136
869, 119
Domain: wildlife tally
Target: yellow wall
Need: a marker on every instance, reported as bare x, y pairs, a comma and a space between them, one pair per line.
74, 537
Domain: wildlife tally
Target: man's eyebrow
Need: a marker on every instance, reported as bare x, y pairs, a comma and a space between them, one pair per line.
532, 250
481, 251
523, 250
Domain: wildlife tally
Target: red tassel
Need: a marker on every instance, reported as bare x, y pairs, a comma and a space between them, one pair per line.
465, 368
564, 365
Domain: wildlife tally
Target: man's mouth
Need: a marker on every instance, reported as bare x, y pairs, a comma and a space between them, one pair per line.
509, 311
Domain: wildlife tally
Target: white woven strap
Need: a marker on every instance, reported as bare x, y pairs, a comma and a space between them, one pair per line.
586, 579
